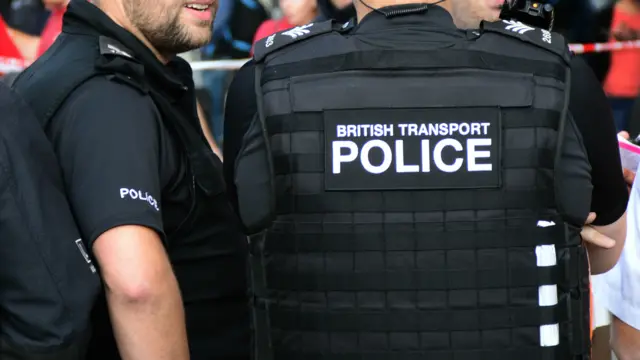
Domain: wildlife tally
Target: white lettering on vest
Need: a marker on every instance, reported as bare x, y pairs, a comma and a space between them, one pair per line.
437, 155
386, 158
473, 154
441, 129
339, 158
472, 149
400, 165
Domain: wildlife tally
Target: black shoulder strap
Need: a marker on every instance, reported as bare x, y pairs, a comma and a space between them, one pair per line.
46, 106
279, 40
111, 46
73, 77
541, 38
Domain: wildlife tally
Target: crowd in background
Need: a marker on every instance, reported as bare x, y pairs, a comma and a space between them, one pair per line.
29, 27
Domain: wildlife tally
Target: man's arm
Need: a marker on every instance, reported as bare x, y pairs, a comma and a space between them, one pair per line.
240, 109
609, 196
207, 131
110, 160
142, 293
625, 340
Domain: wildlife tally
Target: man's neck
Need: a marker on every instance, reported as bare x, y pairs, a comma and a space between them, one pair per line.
362, 10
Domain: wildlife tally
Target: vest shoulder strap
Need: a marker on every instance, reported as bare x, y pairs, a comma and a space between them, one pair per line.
109, 46
282, 39
46, 106
541, 38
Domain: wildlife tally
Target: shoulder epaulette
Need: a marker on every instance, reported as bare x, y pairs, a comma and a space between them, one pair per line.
109, 46
281, 39
542, 38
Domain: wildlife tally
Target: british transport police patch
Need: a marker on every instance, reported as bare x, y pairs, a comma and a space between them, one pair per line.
412, 149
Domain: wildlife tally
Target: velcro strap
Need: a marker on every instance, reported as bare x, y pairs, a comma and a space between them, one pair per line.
414, 59
420, 201
353, 237
417, 321
560, 352
419, 280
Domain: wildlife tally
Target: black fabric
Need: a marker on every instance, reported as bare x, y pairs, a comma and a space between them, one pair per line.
313, 203
144, 162
379, 59
609, 194
48, 281
354, 273
592, 115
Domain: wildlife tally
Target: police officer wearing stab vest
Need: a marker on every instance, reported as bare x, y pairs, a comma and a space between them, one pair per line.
415, 185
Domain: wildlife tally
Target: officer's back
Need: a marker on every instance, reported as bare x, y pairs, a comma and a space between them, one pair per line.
145, 187
430, 186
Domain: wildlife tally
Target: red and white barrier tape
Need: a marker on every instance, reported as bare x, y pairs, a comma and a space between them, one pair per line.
604, 47
8, 65
576, 48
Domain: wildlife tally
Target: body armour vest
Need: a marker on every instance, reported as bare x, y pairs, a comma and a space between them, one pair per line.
414, 210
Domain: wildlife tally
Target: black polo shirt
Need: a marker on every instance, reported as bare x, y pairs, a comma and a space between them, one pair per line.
588, 106
122, 164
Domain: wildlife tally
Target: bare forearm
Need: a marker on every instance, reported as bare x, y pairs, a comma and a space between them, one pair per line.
150, 326
625, 340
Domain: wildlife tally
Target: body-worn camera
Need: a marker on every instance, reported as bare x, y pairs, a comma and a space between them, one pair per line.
528, 12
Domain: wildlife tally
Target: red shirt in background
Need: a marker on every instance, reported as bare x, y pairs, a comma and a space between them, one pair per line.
270, 27
11, 59
623, 79
51, 30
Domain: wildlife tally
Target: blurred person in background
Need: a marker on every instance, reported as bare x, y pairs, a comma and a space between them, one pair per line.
53, 26
621, 292
339, 10
622, 83
295, 13
27, 29
235, 24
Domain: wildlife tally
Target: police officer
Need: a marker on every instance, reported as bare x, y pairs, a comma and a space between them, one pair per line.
416, 185
143, 184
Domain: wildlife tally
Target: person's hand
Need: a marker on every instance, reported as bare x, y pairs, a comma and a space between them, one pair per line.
629, 175
592, 236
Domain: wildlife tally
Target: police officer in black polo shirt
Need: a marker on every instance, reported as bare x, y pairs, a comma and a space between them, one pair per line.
146, 190
416, 186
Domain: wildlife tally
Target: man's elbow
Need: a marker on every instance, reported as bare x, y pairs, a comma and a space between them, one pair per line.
131, 291
134, 265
